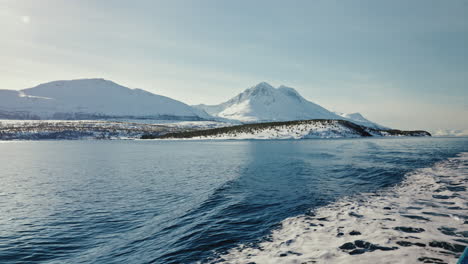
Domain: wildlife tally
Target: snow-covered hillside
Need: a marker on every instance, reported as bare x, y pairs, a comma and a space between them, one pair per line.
91, 99
359, 119
318, 128
264, 103
298, 131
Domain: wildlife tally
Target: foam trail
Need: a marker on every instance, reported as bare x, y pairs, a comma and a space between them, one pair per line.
422, 220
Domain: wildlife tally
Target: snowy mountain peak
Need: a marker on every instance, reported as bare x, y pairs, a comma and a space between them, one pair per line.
66, 88
263, 102
263, 85
261, 89
264, 90
92, 98
65, 83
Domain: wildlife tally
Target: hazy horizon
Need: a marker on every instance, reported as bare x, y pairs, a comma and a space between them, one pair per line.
400, 64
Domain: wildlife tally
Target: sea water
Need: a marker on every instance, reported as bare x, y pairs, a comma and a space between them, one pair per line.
291, 201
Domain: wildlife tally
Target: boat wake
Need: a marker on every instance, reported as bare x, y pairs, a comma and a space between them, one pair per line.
422, 220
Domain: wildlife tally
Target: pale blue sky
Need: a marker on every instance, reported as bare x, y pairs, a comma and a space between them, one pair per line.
400, 63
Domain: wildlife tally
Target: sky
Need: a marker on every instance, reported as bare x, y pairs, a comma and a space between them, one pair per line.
403, 64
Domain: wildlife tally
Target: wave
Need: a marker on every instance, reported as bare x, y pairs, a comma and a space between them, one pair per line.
422, 220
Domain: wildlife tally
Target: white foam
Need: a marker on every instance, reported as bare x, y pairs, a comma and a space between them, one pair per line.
300, 241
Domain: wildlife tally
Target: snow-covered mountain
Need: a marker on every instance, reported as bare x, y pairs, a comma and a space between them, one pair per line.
264, 103
359, 119
91, 98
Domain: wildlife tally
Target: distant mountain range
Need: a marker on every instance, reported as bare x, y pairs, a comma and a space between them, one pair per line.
101, 99
91, 99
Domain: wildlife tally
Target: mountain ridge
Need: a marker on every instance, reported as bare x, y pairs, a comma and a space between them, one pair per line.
98, 98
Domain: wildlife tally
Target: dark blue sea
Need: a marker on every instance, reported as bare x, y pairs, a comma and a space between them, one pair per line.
183, 201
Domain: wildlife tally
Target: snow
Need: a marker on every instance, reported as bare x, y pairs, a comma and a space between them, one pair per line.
94, 98
198, 124
76, 129
266, 103
96, 129
304, 130
135, 128
360, 120
263, 103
